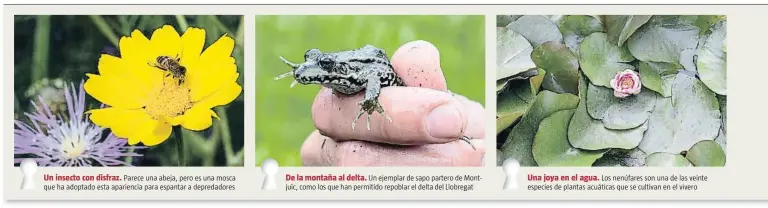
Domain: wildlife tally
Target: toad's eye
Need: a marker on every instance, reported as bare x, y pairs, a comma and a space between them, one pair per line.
326, 62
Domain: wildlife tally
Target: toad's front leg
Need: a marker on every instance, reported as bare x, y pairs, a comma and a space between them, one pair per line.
371, 103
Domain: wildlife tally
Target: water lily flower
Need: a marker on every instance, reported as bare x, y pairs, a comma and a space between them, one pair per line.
146, 100
57, 140
626, 83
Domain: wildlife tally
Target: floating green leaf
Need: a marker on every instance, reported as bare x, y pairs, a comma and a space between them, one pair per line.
600, 60
512, 103
658, 76
663, 159
513, 53
537, 29
706, 153
621, 27
576, 27
691, 115
562, 67
551, 147
622, 158
520, 140
663, 39
712, 60
587, 133
504, 20
619, 113
704, 22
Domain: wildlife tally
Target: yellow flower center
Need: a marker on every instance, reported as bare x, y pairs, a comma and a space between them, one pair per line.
72, 147
627, 83
169, 100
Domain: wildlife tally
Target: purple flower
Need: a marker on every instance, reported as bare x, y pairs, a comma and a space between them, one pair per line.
626, 83
67, 140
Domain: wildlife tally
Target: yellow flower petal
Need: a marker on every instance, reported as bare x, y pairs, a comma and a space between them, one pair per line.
192, 42
142, 76
165, 42
116, 91
215, 67
223, 96
135, 125
197, 118
151, 132
134, 48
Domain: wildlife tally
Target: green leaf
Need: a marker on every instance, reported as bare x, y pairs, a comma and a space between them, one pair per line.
691, 115
663, 38
658, 76
706, 153
504, 20
712, 60
576, 27
600, 60
520, 140
562, 67
513, 53
551, 147
723, 100
584, 132
501, 84
537, 29
512, 103
499, 158
621, 27
663, 159
619, 113
722, 140
622, 158
704, 22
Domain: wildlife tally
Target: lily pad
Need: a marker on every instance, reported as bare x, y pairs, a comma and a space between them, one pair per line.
513, 53
663, 159
706, 153
499, 158
658, 76
704, 22
619, 113
622, 158
584, 132
520, 140
537, 29
504, 20
536, 80
723, 100
576, 27
663, 39
600, 60
621, 27
551, 147
501, 84
691, 115
712, 60
512, 103
722, 140
562, 67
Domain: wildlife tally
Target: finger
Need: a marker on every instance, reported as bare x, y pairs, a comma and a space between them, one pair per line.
314, 148
419, 115
475, 117
418, 64
362, 153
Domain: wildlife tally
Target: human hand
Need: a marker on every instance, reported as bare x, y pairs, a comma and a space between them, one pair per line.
427, 121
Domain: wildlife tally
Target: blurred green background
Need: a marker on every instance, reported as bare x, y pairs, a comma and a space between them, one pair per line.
50, 50
283, 117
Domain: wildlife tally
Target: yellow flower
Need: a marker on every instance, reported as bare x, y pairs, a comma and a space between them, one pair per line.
145, 102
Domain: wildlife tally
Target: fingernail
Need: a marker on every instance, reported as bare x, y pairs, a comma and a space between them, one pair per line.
445, 122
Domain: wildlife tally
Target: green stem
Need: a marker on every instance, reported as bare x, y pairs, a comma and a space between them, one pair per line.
226, 137
219, 24
102, 25
42, 44
179, 146
239, 33
182, 22
129, 160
